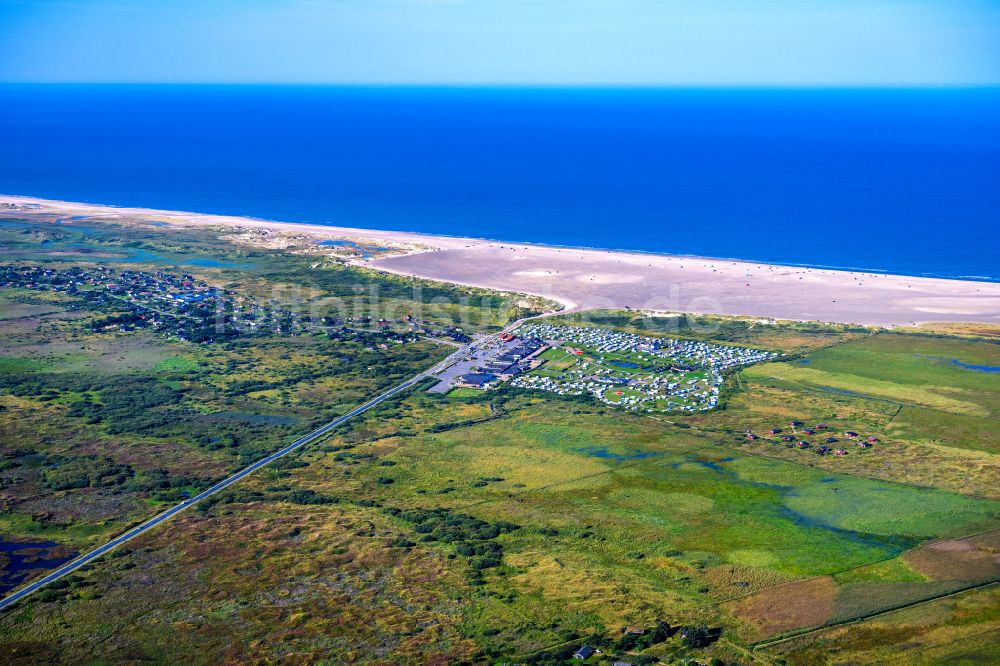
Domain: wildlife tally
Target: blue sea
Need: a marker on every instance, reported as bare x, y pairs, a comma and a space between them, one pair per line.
899, 181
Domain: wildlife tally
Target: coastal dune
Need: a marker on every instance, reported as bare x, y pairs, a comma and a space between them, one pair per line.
584, 279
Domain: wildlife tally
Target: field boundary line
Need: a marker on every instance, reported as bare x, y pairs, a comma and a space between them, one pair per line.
768, 642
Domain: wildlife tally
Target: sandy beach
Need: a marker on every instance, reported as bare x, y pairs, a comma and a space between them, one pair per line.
585, 279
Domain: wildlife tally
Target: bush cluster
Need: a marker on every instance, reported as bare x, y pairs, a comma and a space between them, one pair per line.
470, 536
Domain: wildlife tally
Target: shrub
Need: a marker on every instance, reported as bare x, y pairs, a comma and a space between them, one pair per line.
697, 636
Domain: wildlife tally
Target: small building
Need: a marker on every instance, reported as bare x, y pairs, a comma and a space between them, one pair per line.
840, 452
851, 433
511, 372
774, 431
584, 652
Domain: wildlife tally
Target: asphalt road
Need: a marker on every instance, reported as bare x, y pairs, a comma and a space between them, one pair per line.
70, 567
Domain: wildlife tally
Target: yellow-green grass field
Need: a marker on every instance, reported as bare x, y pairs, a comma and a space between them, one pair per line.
622, 521
680, 522
943, 375
498, 526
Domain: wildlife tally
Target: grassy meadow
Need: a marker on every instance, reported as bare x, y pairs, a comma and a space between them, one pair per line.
499, 527
102, 429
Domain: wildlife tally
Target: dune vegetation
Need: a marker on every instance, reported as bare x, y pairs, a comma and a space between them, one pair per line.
505, 526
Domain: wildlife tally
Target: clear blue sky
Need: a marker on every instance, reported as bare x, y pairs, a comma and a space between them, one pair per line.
624, 42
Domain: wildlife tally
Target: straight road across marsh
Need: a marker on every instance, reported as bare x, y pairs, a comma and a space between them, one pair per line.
142, 528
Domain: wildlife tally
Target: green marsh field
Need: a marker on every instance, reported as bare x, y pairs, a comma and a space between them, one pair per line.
496, 527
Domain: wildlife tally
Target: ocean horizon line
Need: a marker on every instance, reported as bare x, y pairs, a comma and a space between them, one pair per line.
896, 182
536, 86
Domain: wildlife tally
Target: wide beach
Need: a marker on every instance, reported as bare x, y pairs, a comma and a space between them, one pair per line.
586, 278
